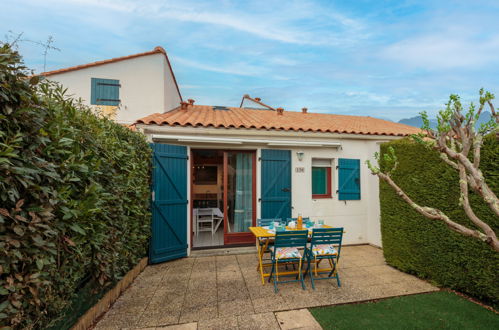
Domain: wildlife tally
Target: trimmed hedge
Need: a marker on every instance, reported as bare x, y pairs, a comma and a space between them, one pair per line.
427, 248
74, 198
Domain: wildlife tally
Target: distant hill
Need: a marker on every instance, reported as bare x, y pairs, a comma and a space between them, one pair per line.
418, 121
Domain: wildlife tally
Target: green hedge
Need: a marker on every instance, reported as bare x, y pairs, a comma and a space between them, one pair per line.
74, 198
427, 248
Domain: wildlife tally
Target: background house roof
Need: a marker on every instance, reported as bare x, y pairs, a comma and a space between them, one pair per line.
229, 117
156, 50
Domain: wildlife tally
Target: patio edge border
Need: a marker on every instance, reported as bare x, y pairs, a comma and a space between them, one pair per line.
103, 305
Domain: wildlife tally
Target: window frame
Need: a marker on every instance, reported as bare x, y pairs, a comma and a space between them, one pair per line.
328, 193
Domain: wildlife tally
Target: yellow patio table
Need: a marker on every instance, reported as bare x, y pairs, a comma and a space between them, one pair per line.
268, 235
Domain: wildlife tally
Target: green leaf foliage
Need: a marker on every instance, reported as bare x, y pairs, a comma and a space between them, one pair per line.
74, 197
427, 248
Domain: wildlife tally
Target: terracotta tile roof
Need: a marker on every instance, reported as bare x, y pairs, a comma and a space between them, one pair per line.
208, 116
156, 50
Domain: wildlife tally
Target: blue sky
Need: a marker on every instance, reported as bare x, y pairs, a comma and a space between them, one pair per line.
388, 59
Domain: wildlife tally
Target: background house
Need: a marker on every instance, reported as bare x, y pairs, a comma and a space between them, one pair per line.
124, 88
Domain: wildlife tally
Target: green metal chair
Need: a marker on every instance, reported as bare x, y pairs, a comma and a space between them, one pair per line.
286, 249
325, 244
261, 241
265, 223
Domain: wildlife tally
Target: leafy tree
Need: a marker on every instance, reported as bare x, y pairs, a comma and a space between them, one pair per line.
459, 145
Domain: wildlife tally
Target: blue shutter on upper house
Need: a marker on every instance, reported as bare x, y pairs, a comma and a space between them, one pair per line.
105, 92
348, 179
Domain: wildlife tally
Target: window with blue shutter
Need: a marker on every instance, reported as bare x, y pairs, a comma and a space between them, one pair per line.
105, 91
348, 179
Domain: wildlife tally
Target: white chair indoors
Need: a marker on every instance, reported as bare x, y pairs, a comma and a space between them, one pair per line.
208, 219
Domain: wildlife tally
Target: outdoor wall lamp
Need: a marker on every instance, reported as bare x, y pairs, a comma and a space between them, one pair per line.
300, 155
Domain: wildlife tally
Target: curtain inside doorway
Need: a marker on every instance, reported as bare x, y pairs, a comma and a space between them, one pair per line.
243, 208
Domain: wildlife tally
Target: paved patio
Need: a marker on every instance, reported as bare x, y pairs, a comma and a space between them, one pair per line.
225, 292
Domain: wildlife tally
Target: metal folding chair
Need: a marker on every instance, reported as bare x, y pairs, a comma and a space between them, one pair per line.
286, 249
325, 244
265, 223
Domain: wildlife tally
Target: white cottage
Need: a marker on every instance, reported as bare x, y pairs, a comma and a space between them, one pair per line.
218, 169
124, 88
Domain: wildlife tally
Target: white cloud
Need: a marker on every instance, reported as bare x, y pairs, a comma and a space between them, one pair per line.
241, 69
444, 51
367, 96
281, 22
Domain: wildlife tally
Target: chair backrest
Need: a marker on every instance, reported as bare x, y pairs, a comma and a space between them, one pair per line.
327, 236
291, 238
205, 211
288, 220
266, 222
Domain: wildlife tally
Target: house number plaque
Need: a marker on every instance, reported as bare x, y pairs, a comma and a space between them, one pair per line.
300, 169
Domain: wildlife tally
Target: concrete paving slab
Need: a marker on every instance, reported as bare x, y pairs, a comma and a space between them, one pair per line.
263, 321
235, 307
224, 323
224, 290
185, 326
297, 319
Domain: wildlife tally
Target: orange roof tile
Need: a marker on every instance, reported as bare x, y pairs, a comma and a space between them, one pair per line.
207, 116
156, 50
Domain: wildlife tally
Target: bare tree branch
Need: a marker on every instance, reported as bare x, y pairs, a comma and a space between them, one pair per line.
455, 138
490, 236
436, 214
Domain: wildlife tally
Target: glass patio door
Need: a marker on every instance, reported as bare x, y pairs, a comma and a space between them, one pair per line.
239, 196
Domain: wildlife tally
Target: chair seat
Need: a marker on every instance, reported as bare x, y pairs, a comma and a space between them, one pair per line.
324, 249
286, 252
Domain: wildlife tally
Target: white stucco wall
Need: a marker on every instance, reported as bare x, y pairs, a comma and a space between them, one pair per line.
147, 85
360, 218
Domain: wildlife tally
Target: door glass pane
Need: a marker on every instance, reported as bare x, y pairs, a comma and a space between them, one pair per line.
239, 191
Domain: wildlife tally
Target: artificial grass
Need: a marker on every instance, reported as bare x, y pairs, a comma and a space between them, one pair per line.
438, 310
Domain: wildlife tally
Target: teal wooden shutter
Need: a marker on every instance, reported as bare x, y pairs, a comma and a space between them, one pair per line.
105, 91
276, 184
169, 203
348, 179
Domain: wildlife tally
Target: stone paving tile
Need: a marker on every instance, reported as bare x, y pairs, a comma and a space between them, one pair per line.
298, 319
199, 305
118, 321
224, 323
225, 292
126, 305
235, 307
227, 263
185, 326
263, 321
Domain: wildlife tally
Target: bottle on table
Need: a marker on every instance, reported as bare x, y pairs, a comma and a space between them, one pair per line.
299, 222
